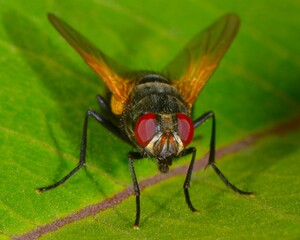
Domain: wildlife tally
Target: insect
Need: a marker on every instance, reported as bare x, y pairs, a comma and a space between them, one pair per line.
152, 111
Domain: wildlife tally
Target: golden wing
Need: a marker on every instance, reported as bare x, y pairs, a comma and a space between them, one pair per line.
119, 86
192, 68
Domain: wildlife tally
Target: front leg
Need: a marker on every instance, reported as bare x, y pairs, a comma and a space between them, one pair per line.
187, 181
212, 151
135, 156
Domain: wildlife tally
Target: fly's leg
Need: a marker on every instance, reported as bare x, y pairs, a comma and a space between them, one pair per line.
228, 184
106, 109
135, 156
103, 104
187, 181
113, 121
212, 151
81, 162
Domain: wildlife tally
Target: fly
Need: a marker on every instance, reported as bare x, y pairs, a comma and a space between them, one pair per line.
152, 111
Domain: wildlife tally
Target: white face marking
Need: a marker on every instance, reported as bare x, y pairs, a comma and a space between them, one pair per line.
150, 147
180, 143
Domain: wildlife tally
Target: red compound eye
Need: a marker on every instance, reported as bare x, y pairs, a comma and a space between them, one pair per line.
145, 129
185, 128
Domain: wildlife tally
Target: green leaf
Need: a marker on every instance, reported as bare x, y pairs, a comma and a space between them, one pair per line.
46, 89
222, 214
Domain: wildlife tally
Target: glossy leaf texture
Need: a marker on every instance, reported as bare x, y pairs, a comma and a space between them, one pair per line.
46, 89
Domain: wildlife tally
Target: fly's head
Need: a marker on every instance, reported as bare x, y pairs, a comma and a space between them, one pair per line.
164, 136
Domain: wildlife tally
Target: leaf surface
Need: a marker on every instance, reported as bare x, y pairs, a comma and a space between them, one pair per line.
46, 90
